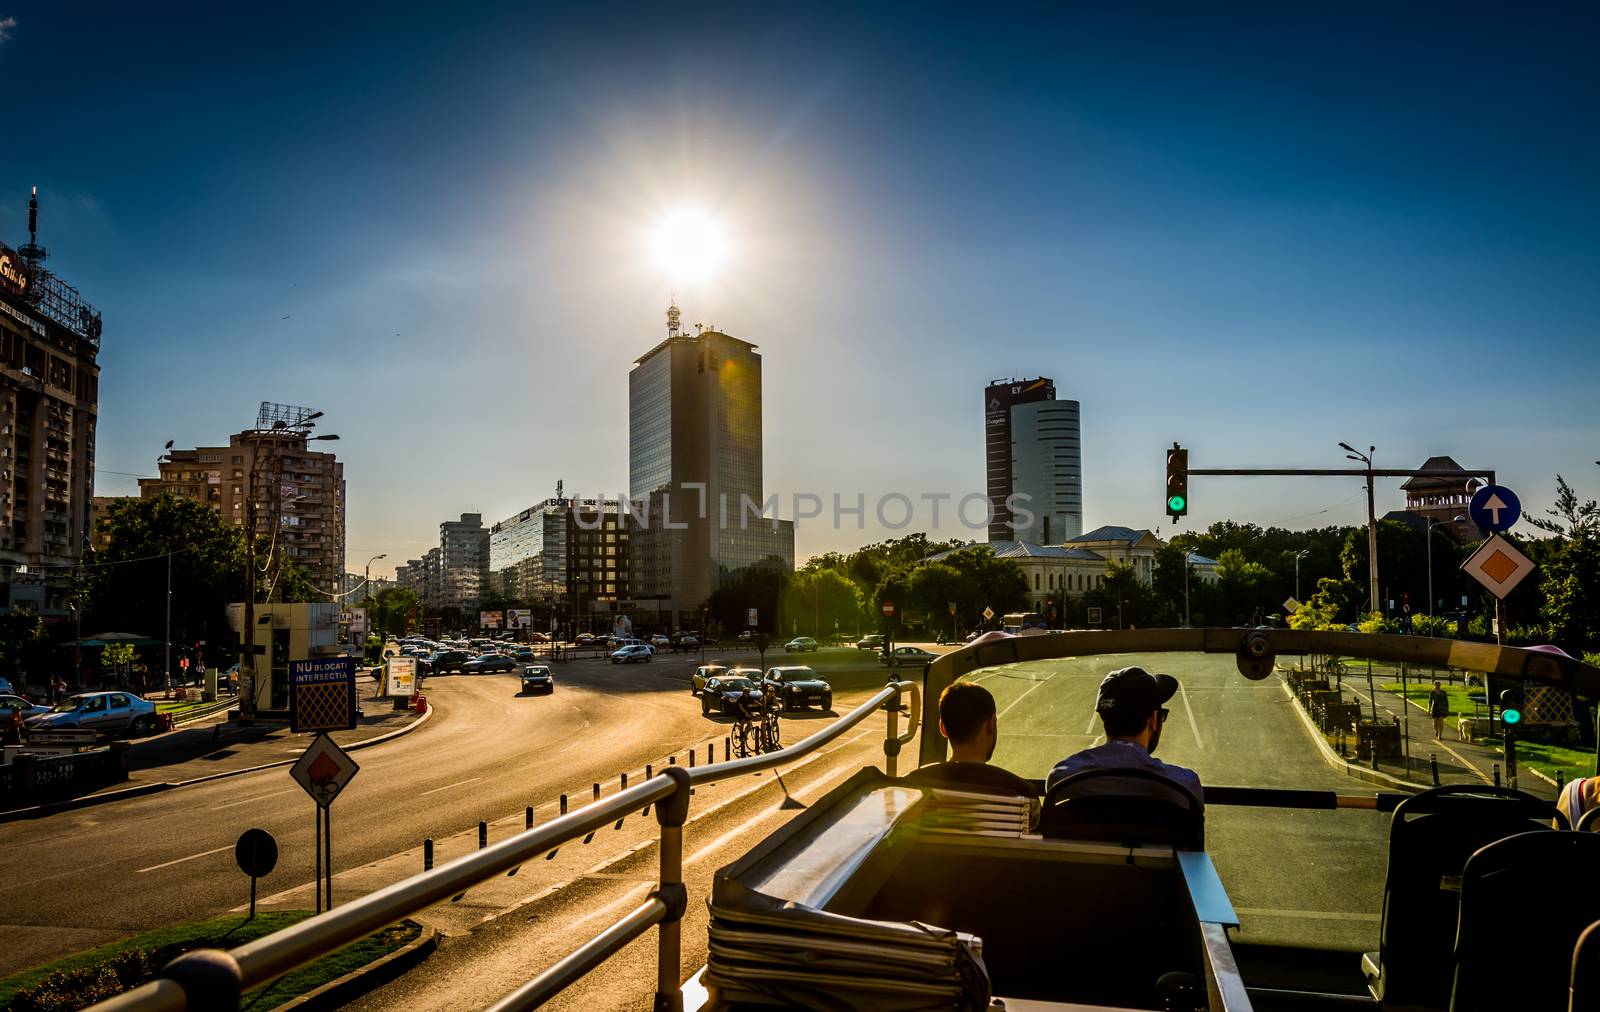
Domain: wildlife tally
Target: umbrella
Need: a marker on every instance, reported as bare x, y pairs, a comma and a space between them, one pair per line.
106, 639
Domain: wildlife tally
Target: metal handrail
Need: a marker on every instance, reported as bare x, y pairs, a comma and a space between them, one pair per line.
215, 979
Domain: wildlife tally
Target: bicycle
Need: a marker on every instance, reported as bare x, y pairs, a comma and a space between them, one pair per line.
768, 733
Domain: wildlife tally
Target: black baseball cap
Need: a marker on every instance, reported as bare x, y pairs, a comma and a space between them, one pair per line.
1134, 692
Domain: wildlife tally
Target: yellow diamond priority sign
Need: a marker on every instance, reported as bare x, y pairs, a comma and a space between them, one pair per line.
1498, 566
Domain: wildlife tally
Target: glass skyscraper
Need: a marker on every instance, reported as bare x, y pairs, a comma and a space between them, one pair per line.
694, 462
1033, 450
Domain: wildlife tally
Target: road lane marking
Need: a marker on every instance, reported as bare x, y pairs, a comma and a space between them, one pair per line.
1188, 711
1024, 695
246, 801
1310, 915
447, 787
191, 857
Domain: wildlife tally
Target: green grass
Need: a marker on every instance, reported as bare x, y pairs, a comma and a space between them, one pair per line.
1548, 759
1460, 704
225, 932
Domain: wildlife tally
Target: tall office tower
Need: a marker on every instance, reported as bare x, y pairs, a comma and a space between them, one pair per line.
694, 460
1033, 450
49, 390
464, 563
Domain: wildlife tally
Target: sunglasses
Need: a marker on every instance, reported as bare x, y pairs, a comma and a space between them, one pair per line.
1164, 713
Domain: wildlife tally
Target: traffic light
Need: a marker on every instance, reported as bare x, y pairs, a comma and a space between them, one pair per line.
1511, 706
1177, 481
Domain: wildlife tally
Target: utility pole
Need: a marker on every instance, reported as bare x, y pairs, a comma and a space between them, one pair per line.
247, 667
167, 664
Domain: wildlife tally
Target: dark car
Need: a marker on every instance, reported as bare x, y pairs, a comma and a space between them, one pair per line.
537, 678
486, 663
524, 654
871, 641
905, 657
797, 687
448, 660
722, 691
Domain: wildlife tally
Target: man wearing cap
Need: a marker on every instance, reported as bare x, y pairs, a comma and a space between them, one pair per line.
1131, 706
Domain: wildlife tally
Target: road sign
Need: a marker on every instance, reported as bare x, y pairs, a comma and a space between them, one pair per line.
1498, 566
750, 619
1094, 616
888, 608
988, 614
952, 609
324, 770
1290, 605
1494, 508
256, 853
322, 694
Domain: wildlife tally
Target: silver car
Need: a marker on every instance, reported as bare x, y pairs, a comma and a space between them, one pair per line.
105, 712
24, 707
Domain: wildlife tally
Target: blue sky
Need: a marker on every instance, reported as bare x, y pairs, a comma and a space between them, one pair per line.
1254, 232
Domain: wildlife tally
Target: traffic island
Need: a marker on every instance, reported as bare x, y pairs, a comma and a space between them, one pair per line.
102, 973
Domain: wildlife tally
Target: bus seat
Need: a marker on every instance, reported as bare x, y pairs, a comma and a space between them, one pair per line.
1130, 807
1543, 882
1431, 836
1584, 989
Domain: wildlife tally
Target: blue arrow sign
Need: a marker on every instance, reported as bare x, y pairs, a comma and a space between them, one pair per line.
1495, 508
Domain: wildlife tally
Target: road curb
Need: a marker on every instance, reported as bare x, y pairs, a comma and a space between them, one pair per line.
127, 794
1332, 758
360, 981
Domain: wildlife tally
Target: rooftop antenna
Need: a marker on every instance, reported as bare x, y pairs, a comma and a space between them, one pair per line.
33, 253
674, 317
559, 487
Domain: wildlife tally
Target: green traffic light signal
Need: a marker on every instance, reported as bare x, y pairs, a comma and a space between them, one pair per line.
1511, 706
1511, 716
1176, 503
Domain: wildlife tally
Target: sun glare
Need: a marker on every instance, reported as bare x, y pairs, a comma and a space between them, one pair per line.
689, 246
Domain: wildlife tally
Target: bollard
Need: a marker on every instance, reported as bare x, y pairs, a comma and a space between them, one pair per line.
483, 835
622, 782
527, 817
711, 753
427, 854
691, 758
1561, 780
727, 747
1497, 774
563, 804
648, 773
672, 760
1433, 761
597, 792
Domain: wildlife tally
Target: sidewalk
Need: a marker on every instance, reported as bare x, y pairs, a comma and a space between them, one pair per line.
1458, 762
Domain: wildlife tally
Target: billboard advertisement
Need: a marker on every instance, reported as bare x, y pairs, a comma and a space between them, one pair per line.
519, 618
402, 675
489, 619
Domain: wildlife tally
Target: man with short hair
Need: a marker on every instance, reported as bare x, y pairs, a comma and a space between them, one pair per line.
967, 719
1130, 704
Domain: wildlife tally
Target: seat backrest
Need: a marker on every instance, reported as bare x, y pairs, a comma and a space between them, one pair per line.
1584, 990
1431, 836
1525, 900
1125, 806
1589, 822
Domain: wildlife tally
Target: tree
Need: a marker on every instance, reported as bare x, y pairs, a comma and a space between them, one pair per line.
1569, 571
1570, 519
1123, 594
392, 609
1243, 585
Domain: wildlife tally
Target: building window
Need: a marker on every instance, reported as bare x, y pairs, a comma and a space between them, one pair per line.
1035, 581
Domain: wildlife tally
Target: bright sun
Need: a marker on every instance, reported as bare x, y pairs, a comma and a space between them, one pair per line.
689, 246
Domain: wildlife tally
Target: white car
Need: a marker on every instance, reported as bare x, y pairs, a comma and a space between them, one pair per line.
632, 653
660, 640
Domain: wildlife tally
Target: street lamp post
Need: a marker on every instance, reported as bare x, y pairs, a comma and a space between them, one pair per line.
1187, 555
1302, 553
366, 585
1432, 523
1352, 453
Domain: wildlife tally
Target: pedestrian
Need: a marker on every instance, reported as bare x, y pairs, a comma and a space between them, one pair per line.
1438, 709
58, 689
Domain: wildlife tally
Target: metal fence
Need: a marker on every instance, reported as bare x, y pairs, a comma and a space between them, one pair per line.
215, 979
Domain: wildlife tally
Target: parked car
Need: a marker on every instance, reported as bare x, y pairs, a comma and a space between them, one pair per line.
486, 663
5, 687
800, 644
746, 635
721, 691
448, 660
660, 640
524, 654
630, 654
26, 708
538, 637
583, 639
703, 674
871, 641
902, 657
797, 687
537, 678
105, 712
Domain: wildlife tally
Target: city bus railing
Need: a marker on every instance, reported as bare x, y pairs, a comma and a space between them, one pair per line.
215, 979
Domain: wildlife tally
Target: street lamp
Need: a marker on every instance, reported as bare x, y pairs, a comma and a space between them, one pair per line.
1372, 518
366, 584
1302, 553
1432, 523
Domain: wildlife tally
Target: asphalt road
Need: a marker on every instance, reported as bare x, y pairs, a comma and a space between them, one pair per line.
1295, 877
81, 878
